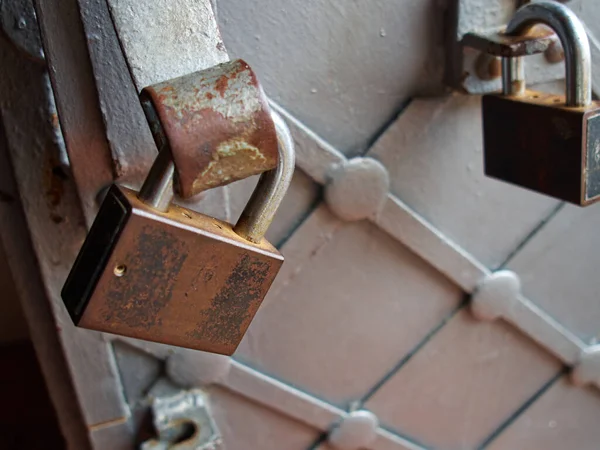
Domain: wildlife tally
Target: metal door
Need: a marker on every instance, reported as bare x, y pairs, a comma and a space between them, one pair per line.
421, 305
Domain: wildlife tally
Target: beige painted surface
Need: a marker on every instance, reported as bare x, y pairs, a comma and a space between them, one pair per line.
559, 269
340, 323
564, 418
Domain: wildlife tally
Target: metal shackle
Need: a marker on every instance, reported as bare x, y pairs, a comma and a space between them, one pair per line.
574, 40
271, 188
157, 190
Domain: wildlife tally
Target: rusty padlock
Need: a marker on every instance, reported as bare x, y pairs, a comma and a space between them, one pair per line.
547, 143
216, 123
152, 270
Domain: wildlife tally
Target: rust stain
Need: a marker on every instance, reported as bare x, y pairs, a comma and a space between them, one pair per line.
198, 127
230, 312
221, 84
167, 89
537, 40
54, 120
53, 181
145, 289
107, 423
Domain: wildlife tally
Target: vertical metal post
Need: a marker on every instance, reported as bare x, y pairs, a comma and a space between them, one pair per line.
513, 76
157, 190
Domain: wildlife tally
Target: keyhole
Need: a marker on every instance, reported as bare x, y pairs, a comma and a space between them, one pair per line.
120, 270
188, 431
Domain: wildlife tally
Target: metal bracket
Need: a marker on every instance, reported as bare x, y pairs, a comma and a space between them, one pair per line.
474, 71
184, 422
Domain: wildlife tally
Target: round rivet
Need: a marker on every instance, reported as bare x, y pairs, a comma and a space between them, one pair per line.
488, 67
496, 295
190, 368
356, 431
120, 270
357, 189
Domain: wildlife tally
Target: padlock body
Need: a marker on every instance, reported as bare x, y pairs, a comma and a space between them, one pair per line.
179, 278
533, 141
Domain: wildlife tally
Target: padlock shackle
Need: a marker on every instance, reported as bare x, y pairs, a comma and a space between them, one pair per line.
573, 38
272, 186
513, 76
157, 190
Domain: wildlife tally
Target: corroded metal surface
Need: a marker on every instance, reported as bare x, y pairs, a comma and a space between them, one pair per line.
485, 19
573, 37
184, 421
19, 24
77, 103
179, 277
217, 125
537, 40
272, 186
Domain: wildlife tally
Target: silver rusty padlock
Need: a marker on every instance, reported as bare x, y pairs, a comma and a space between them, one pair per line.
152, 270
547, 143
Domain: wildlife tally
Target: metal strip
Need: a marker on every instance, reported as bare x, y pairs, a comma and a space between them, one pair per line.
546, 331
409, 228
281, 397
406, 226
314, 160
299, 405
264, 390
76, 100
165, 39
131, 144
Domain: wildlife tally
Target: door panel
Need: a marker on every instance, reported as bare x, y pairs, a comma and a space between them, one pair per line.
371, 314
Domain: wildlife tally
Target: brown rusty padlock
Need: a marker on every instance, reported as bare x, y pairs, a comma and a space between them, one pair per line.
547, 143
216, 123
152, 270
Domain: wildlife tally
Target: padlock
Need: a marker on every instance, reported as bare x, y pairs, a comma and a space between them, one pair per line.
543, 142
217, 124
152, 270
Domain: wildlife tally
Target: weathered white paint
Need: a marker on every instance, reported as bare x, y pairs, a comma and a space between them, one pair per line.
343, 68
357, 430
164, 39
499, 295
357, 189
